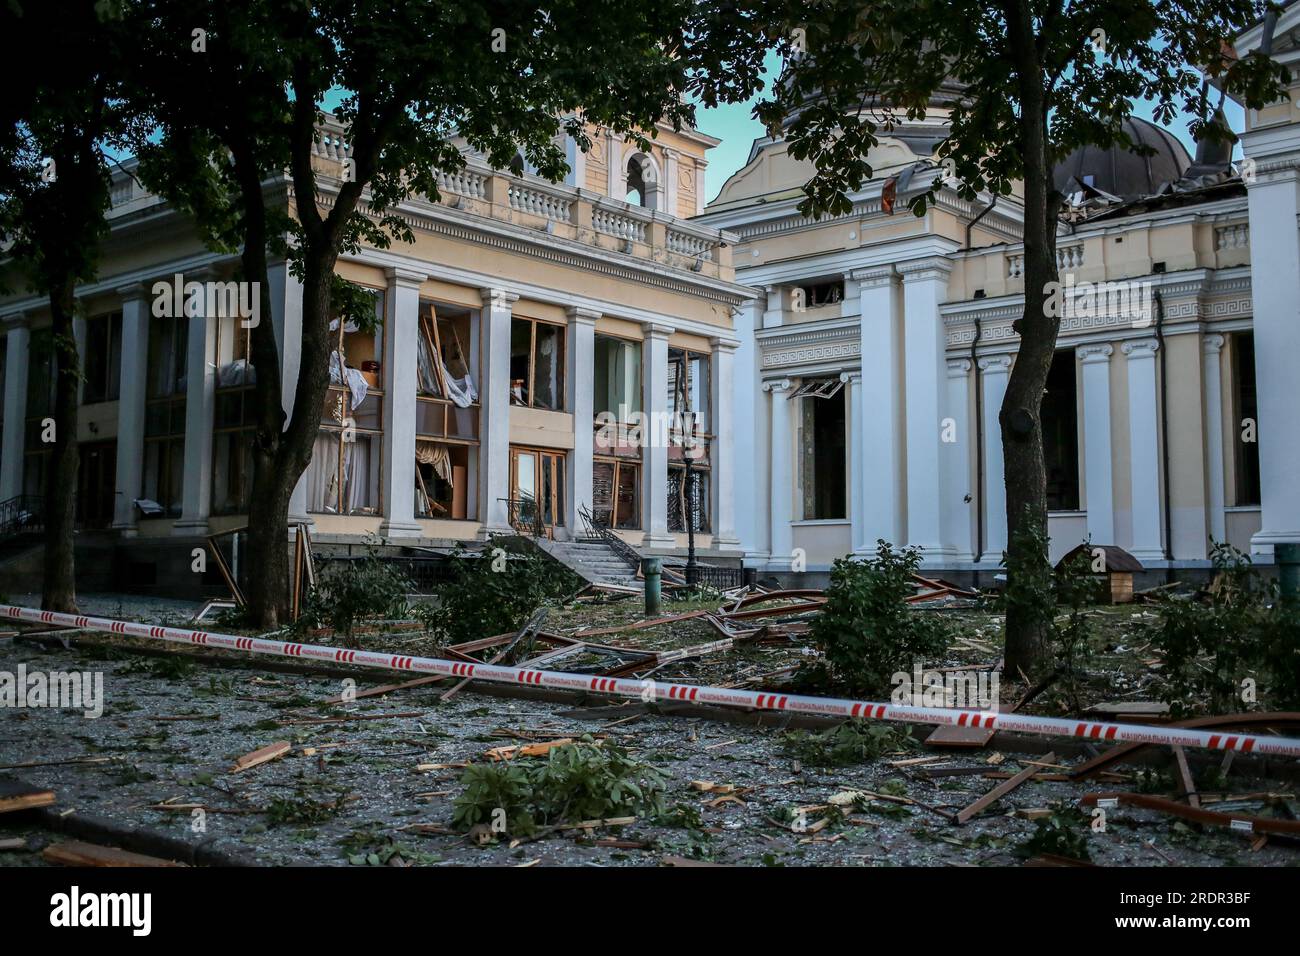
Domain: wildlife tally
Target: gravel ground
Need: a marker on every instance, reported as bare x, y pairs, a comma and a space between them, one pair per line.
369, 768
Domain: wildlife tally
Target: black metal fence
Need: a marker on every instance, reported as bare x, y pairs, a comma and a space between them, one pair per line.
22, 513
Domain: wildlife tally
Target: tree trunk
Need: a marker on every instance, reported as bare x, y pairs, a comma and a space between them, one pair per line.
59, 586
1030, 596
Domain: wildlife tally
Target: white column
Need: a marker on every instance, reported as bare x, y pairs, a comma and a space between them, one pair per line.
18, 339
994, 371
1274, 200
782, 476
879, 410
1144, 449
925, 284
1098, 481
955, 459
130, 406
700, 197
579, 376
722, 456
654, 439
616, 175
856, 487
577, 162
286, 318
670, 182
1212, 352
750, 443
200, 397
401, 343
494, 447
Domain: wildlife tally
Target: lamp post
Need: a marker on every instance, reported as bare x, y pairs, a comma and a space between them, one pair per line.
692, 568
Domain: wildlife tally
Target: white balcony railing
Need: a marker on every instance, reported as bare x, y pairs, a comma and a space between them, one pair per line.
1236, 236
1067, 258
549, 204
620, 225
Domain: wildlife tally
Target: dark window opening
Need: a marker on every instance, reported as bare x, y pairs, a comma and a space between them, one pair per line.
823, 449
103, 359
616, 493
819, 293
1246, 420
1060, 418
40, 405
537, 364
164, 414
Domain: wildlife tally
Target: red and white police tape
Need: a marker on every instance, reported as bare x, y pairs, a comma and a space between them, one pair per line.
649, 690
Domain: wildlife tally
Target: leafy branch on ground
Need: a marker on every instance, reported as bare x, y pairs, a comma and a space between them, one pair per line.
1235, 648
495, 589
855, 741
866, 631
573, 783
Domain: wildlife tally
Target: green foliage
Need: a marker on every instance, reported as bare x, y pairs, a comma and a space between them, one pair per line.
348, 592
1072, 638
866, 630
576, 782
1030, 596
1244, 631
855, 741
303, 811
495, 590
851, 71
1064, 832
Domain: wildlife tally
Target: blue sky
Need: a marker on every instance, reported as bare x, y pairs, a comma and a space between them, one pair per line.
737, 128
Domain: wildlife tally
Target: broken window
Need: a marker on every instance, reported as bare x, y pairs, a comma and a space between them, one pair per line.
816, 294
103, 359
819, 388
442, 484
617, 395
688, 498
536, 488
1245, 405
447, 407
344, 474
688, 391
537, 364
164, 414
233, 421
616, 493
617, 376
1060, 423
823, 449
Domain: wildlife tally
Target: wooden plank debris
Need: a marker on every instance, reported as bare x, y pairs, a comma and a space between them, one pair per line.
1232, 821
261, 755
386, 689
1185, 774
1000, 791
16, 796
77, 853
526, 750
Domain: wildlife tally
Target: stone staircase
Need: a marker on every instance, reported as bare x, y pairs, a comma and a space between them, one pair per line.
593, 560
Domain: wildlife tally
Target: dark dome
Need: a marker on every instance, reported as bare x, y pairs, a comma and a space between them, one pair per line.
1124, 173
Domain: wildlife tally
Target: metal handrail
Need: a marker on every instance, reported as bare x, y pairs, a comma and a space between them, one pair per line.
595, 528
525, 516
22, 513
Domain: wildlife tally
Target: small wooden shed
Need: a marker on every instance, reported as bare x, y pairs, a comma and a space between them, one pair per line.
1111, 562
